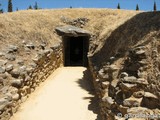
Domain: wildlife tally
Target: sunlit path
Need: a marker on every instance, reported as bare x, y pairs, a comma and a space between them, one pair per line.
65, 95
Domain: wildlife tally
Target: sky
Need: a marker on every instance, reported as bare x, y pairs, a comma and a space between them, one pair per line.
146, 5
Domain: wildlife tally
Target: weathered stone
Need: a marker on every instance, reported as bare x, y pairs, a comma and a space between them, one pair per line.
2, 70
112, 87
3, 103
150, 101
142, 74
30, 46
2, 54
138, 94
113, 68
15, 97
123, 109
16, 83
130, 79
42, 46
114, 83
23, 99
143, 62
123, 74
138, 110
105, 84
47, 51
33, 65
142, 81
22, 70
3, 62
15, 73
132, 102
28, 78
55, 46
12, 48
72, 31
20, 62
13, 90
108, 101
128, 86
10, 57
9, 67
140, 52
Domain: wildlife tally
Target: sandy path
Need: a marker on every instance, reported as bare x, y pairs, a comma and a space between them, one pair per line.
66, 95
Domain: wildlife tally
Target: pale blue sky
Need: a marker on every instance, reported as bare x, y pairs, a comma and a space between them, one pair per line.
146, 5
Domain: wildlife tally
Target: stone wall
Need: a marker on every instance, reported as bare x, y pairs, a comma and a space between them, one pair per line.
126, 70
19, 80
128, 86
125, 88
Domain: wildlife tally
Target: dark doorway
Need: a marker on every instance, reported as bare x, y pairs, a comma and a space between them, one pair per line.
75, 51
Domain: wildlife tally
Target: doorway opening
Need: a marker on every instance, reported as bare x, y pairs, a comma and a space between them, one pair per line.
75, 50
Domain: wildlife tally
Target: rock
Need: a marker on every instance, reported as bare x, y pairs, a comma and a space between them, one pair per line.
9, 67
143, 62
12, 48
150, 101
29, 69
71, 31
15, 97
140, 52
23, 70
16, 83
112, 87
105, 84
10, 57
3, 103
114, 83
2, 54
3, 62
20, 62
130, 79
47, 51
113, 68
108, 101
138, 110
128, 86
101, 73
30, 46
3, 75
23, 99
55, 46
132, 102
38, 57
1, 80
142, 74
123, 109
123, 74
142, 81
138, 94
15, 73
133, 79
2, 70
13, 90
42, 46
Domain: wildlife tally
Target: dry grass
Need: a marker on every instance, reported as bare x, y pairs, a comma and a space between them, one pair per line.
38, 26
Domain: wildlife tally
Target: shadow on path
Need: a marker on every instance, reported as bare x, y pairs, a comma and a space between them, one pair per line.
87, 84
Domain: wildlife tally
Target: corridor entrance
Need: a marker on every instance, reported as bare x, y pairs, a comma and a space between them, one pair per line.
75, 50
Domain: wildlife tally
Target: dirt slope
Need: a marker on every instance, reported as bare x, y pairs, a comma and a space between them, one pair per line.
66, 95
38, 26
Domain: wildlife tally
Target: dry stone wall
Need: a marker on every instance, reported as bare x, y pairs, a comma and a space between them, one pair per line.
126, 70
127, 87
20, 78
